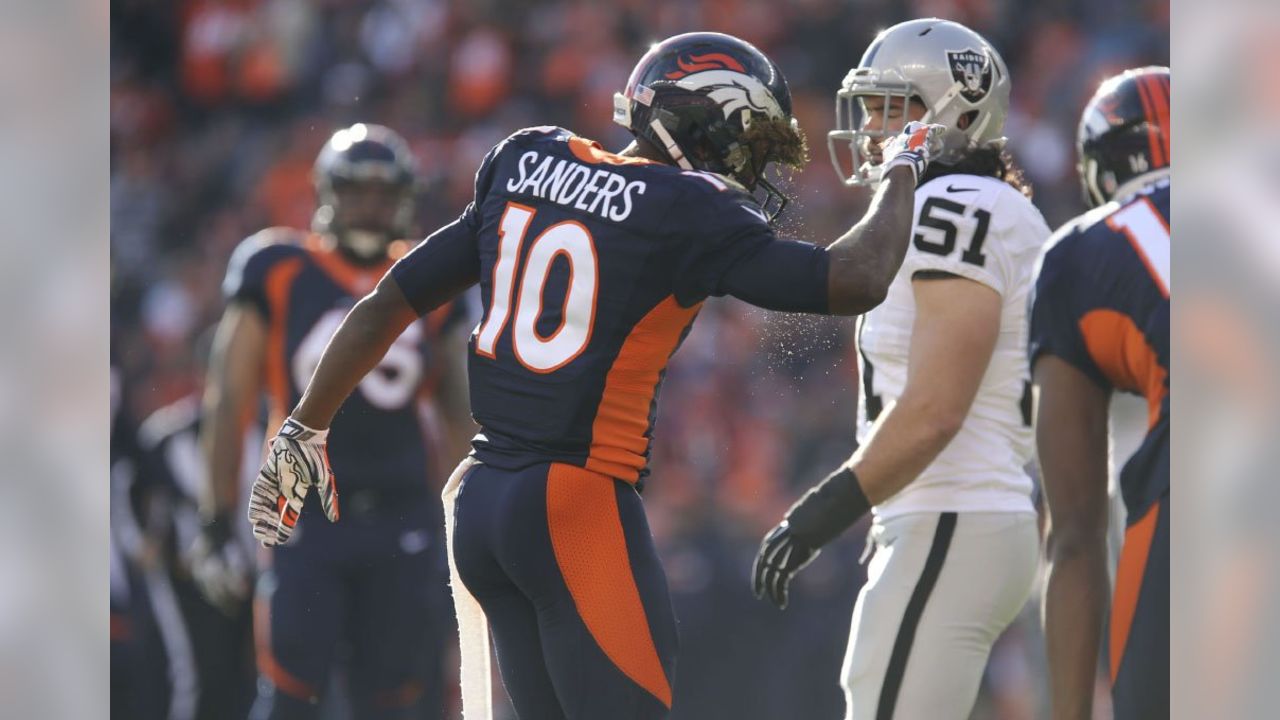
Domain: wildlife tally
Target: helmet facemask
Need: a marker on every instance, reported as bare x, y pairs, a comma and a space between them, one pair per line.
854, 135
741, 146
769, 141
861, 142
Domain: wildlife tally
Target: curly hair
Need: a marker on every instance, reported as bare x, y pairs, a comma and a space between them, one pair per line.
984, 162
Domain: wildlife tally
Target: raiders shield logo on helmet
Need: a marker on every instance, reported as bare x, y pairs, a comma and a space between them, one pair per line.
972, 69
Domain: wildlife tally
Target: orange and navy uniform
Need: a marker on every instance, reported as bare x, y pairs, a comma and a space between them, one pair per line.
377, 577
1101, 304
592, 268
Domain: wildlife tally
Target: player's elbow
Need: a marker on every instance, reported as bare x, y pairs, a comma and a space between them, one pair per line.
938, 419
1073, 537
941, 426
856, 298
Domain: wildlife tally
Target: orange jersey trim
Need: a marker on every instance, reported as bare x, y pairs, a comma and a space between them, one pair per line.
1121, 351
1129, 574
591, 551
619, 435
357, 281
593, 152
279, 282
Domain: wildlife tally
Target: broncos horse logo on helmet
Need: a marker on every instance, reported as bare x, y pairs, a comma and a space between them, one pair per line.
712, 102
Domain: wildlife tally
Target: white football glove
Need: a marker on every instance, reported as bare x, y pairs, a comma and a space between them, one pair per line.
916, 146
220, 567
296, 461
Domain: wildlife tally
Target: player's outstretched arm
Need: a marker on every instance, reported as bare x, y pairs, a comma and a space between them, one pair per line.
298, 458
864, 261
359, 344
853, 274
1071, 437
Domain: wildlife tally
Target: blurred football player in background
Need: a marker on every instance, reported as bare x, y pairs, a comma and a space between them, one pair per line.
1100, 323
613, 256
377, 580
944, 426
199, 595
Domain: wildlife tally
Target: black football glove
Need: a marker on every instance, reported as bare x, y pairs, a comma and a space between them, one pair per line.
815, 520
781, 556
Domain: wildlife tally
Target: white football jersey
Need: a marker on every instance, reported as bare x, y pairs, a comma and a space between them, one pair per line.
982, 229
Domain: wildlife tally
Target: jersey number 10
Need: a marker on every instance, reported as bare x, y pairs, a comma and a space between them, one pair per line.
569, 239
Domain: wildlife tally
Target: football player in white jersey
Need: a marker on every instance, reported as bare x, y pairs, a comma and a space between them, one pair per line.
944, 423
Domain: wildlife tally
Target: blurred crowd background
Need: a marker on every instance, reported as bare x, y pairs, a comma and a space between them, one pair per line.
218, 108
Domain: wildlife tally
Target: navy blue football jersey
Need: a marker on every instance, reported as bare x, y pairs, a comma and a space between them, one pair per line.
303, 289
1101, 304
592, 267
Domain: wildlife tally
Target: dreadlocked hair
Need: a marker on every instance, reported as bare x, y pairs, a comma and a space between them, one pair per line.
984, 162
777, 140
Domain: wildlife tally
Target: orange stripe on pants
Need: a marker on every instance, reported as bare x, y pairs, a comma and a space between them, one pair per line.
284, 681
591, 551
1129, 575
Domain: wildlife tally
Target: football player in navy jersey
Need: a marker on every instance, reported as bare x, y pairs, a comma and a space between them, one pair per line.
1100, 323
592, 267
377, 579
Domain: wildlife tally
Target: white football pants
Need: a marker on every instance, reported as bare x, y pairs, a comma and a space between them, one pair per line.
940, 590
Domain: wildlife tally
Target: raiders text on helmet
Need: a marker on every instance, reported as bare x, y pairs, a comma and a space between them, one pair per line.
693, 96
1124, 133
357, 154
953, 71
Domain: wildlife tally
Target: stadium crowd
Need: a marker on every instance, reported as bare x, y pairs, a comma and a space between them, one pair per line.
218, 108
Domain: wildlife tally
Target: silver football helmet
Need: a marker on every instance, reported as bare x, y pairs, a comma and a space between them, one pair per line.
951, 69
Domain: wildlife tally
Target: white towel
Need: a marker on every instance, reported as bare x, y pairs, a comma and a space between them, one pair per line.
476, 675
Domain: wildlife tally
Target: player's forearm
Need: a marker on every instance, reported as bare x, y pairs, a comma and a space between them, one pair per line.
1074, 605
907, 438
355, 349
865, 260
223, 441
230, 399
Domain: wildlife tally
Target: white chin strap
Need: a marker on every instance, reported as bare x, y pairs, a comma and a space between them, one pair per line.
669, 143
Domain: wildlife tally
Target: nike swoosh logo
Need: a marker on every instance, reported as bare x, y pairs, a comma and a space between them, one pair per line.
954, 189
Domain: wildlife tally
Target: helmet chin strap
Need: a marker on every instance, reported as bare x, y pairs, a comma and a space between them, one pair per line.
669, 143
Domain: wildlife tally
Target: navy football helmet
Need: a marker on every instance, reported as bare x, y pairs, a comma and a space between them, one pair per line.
1124, 133
695, 96
364, 153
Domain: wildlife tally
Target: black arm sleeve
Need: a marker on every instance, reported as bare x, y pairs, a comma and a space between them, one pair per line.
440, 267
784, 275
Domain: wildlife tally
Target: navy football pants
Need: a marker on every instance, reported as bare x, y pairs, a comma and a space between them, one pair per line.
1139, 628
375, 579
563, 564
